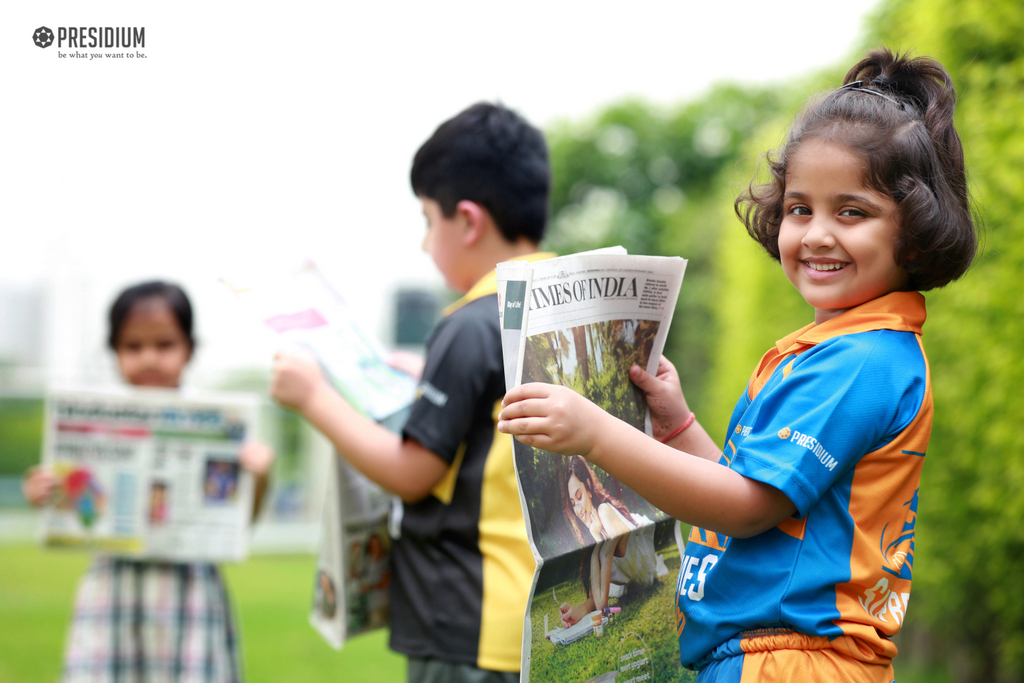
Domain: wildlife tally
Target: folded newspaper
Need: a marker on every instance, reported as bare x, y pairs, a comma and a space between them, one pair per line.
149, 473
350, 594
303, 309
601, 604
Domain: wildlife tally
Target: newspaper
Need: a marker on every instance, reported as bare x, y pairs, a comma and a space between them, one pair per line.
149, 473
350, 594
601, 606
305, 310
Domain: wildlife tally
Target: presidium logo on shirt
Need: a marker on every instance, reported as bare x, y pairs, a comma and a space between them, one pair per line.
432, 394
805, 440
811, 444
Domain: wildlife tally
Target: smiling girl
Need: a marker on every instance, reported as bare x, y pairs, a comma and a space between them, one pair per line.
799, 563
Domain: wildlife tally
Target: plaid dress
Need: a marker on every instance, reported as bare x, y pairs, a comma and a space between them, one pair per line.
147, 622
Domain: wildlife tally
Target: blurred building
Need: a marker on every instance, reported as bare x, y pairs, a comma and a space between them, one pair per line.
21, 328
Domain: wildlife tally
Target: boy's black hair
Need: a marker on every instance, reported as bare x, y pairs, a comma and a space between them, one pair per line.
490, 155
172, 294
896, 113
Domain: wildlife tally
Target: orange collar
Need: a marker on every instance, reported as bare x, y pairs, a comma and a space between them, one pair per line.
901, 311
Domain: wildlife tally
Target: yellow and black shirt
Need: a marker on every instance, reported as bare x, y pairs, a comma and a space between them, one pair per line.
463, 565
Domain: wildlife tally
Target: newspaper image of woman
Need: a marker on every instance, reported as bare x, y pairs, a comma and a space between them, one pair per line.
584, 357
624, 554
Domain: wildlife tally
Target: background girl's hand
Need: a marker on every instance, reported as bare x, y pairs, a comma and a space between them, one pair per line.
256, 457
551, 417
38, 486
664, 397
296, 379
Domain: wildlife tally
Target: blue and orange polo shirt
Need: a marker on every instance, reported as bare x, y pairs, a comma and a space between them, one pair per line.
837, 416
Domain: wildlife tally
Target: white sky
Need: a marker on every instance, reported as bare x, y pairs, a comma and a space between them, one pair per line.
254, 135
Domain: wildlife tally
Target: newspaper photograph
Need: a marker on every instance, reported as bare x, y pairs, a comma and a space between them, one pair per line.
350, 592
149, 473
632, 637
602, 603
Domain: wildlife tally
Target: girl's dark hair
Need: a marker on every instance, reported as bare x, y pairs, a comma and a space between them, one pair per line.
585, 571
896, 113
577, 466
172, 294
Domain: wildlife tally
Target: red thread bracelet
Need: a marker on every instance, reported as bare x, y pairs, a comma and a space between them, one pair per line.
680, 429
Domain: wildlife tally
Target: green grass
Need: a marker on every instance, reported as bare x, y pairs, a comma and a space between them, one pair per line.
271, 597
596, 655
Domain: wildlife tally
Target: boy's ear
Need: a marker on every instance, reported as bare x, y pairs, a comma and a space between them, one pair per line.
475, 218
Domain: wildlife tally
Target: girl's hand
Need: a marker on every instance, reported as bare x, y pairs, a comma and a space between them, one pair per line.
664, 397
256, 457
550, 417
296, 379
570, 614
38, 486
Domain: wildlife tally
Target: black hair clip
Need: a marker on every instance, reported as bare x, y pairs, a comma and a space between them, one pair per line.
856, 85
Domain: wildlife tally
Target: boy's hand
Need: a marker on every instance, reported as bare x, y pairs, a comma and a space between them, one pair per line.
38, 486
664, 397
551, 417
296, 379
407, 362
256, 457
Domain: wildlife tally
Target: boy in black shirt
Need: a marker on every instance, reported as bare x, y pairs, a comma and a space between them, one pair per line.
462, 566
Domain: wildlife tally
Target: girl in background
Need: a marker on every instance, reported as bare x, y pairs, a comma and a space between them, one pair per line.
145, 621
